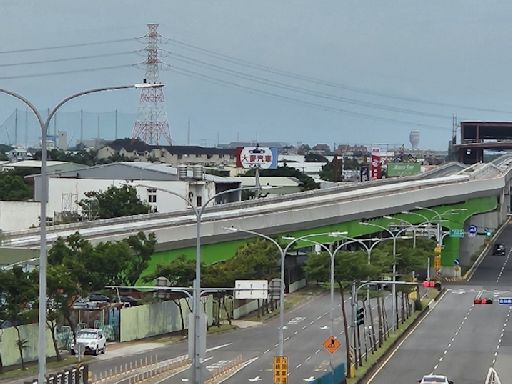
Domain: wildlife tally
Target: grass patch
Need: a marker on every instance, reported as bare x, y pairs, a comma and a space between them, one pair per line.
15, 372
221, 329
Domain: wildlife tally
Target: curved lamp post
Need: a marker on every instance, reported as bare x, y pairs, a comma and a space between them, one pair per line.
41, 351
283, 252
198, 211
394, 237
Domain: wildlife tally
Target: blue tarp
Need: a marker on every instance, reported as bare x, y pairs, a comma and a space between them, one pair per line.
339, 376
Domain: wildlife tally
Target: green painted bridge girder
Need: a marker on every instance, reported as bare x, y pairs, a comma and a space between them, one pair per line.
212, 253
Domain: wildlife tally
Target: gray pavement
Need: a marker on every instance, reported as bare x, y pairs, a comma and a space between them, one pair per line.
458, 338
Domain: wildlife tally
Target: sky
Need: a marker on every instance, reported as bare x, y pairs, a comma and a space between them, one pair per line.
295, 71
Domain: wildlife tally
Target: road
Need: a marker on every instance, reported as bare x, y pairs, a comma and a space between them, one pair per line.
307, 326
458, 338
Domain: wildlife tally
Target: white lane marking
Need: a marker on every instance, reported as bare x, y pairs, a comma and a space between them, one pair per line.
257, 378
501, 337
404, 339
503, 268
456, 333
217, 347
311, 378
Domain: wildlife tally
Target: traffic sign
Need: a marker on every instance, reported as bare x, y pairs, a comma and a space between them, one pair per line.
332, 344
456, 262
457, 232
280, 370
505, 300
472, 230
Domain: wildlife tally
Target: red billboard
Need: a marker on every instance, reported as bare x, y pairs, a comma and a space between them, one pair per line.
376, 164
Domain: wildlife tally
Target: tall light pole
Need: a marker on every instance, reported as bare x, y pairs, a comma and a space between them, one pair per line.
196, 306
394, 236
41, 350
411, 225
438, 218
283, 252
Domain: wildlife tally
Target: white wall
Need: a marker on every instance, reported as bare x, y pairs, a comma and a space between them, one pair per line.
18, 215
73, 190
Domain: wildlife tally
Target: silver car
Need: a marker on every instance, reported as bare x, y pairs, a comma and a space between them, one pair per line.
435, 379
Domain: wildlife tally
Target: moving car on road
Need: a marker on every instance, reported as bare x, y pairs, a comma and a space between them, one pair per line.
498, 250
435, 379
89, 340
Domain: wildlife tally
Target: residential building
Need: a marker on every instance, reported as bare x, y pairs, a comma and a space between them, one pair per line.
137, 150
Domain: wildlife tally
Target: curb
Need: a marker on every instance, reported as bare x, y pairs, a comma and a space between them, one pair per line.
363, 379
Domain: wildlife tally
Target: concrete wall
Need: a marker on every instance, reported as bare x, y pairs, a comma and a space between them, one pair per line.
295, 286
471, 245
18, 215
245, 309
156, 319
9, 346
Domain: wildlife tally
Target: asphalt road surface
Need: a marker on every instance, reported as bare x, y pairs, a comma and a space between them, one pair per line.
457, 338
307, 326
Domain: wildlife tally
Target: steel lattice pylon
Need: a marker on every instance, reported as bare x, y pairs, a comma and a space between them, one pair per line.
152, 125
492, 377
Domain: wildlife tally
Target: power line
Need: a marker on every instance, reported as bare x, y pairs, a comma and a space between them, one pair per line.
331, 84
66, 72
189, 73
303, 90
67, 46
59, 60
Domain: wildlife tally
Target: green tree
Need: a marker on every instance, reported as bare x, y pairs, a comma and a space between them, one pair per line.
13, 187
115, 202
62, 289
18, 291
142, 247
315, 158
307, 182
181, 272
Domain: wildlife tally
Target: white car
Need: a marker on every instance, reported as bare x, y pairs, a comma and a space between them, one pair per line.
435, 379
89, 340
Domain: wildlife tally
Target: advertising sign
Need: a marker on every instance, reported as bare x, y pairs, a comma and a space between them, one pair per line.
376, 164
403, 169
256, 157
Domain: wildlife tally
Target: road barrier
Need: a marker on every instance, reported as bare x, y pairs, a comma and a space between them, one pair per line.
142, 370
226, 371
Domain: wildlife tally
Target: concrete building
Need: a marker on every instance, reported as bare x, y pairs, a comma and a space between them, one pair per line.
66, 189
35, 166
273, 185
174, 154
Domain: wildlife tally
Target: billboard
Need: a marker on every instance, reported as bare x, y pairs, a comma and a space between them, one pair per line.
256, 157
403, 169
376, 164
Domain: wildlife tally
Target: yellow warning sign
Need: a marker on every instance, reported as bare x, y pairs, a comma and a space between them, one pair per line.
280, 370
332, 344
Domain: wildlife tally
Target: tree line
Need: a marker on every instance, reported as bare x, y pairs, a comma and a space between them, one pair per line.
77, 268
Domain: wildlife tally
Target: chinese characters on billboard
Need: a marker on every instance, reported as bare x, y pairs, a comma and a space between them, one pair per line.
376, 169
256, 157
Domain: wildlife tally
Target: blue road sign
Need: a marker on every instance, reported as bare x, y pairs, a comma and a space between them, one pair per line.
472, 230
505, 300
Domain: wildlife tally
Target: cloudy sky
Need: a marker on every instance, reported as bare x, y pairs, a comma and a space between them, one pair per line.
315, 71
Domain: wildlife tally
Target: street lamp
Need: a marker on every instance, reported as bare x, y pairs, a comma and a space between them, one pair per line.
41, 352
196, 306
394, 236
283, 253
411, 225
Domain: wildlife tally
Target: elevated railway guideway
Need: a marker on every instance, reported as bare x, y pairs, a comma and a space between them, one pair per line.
452, 183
